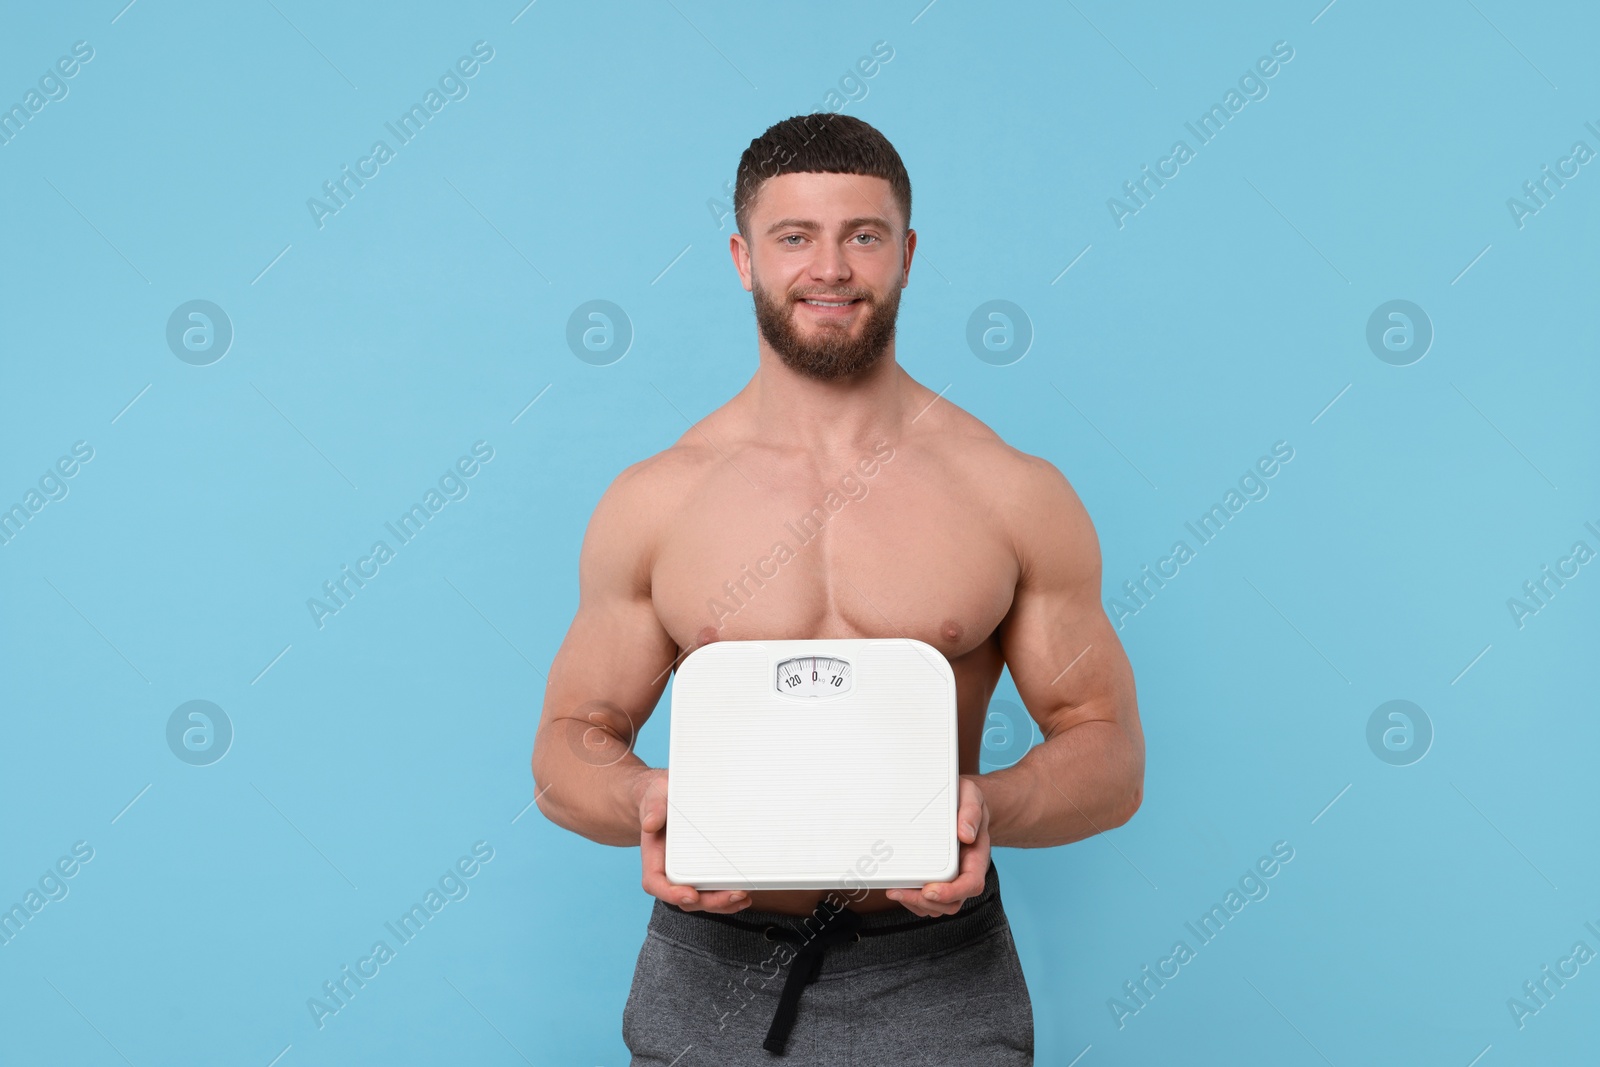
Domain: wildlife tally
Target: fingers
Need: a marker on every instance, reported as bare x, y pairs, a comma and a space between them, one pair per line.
687, 897
946, 898
653, 851
653, 862
918, 903
722, 901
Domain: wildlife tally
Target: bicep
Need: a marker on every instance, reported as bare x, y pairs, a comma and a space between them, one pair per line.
1061, 649
614, 661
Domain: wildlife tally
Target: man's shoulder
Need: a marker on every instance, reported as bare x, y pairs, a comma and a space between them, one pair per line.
668, 473
995, 468
1027, 495
625, 531
649, 490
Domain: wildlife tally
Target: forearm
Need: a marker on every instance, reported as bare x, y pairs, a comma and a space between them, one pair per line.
586, 780
1080, 782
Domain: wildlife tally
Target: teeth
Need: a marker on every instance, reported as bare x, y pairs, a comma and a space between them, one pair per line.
831, 303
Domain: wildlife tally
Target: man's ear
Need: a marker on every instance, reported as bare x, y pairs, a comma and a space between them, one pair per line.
905, 266
740, 251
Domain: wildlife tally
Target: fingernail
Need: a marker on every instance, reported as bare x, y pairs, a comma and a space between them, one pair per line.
737, 896
967, 826
892, 895
688, 900
930, 894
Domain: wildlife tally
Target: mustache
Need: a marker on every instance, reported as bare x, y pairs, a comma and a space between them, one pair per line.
849, 294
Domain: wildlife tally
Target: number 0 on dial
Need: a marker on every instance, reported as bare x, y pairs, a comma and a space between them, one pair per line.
814, 676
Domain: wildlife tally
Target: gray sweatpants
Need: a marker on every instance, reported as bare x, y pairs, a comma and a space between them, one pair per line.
888, 988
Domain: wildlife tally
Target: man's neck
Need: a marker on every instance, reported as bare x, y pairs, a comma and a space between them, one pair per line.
790, 410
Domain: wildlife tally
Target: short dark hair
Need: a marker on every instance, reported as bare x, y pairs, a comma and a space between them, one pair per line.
825, 143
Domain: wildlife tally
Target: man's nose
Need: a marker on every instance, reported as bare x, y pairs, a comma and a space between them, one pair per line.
830, 263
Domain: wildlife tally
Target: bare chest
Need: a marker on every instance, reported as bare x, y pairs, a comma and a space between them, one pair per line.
900, 553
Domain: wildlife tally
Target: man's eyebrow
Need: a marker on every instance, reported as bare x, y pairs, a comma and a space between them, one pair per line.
811, 227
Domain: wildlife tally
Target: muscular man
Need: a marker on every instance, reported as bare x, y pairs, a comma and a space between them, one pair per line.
836, 497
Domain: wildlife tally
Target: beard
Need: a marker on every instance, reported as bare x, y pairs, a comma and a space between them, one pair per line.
830, 350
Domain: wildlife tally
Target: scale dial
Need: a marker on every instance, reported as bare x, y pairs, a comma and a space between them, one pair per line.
814, 676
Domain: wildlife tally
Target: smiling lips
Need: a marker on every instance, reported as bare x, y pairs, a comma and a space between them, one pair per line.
830, 306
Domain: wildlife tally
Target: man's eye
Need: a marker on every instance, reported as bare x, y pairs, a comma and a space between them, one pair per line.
868, 236
788, 238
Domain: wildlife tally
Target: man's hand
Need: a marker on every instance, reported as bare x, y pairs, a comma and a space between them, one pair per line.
651, 792
972, 828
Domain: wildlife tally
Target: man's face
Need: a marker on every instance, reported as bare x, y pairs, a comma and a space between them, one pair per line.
825, 264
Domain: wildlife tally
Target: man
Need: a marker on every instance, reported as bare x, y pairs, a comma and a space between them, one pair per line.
943, 533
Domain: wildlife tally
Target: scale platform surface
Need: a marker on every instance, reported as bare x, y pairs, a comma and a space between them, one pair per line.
812, 764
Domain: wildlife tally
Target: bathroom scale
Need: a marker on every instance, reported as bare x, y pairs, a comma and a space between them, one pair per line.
812, 764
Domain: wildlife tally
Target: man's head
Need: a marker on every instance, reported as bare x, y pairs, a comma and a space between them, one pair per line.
823, 204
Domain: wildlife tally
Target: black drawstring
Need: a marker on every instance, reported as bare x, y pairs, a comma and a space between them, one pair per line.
839, 928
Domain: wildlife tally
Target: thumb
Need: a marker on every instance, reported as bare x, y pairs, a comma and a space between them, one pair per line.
653, 809
970, 811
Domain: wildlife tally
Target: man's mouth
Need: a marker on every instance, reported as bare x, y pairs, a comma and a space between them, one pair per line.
821, 302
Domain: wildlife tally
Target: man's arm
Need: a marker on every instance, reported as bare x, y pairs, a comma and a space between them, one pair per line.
1070, 669
604, 683
1074, 678
607, 676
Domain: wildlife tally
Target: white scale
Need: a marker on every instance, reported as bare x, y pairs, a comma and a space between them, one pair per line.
812, 765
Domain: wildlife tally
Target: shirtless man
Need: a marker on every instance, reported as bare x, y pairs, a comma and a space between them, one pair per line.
953, 538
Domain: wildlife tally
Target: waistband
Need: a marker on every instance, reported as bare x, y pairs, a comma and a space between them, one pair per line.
753, 937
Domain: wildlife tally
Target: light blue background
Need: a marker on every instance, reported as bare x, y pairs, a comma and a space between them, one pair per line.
428, 313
